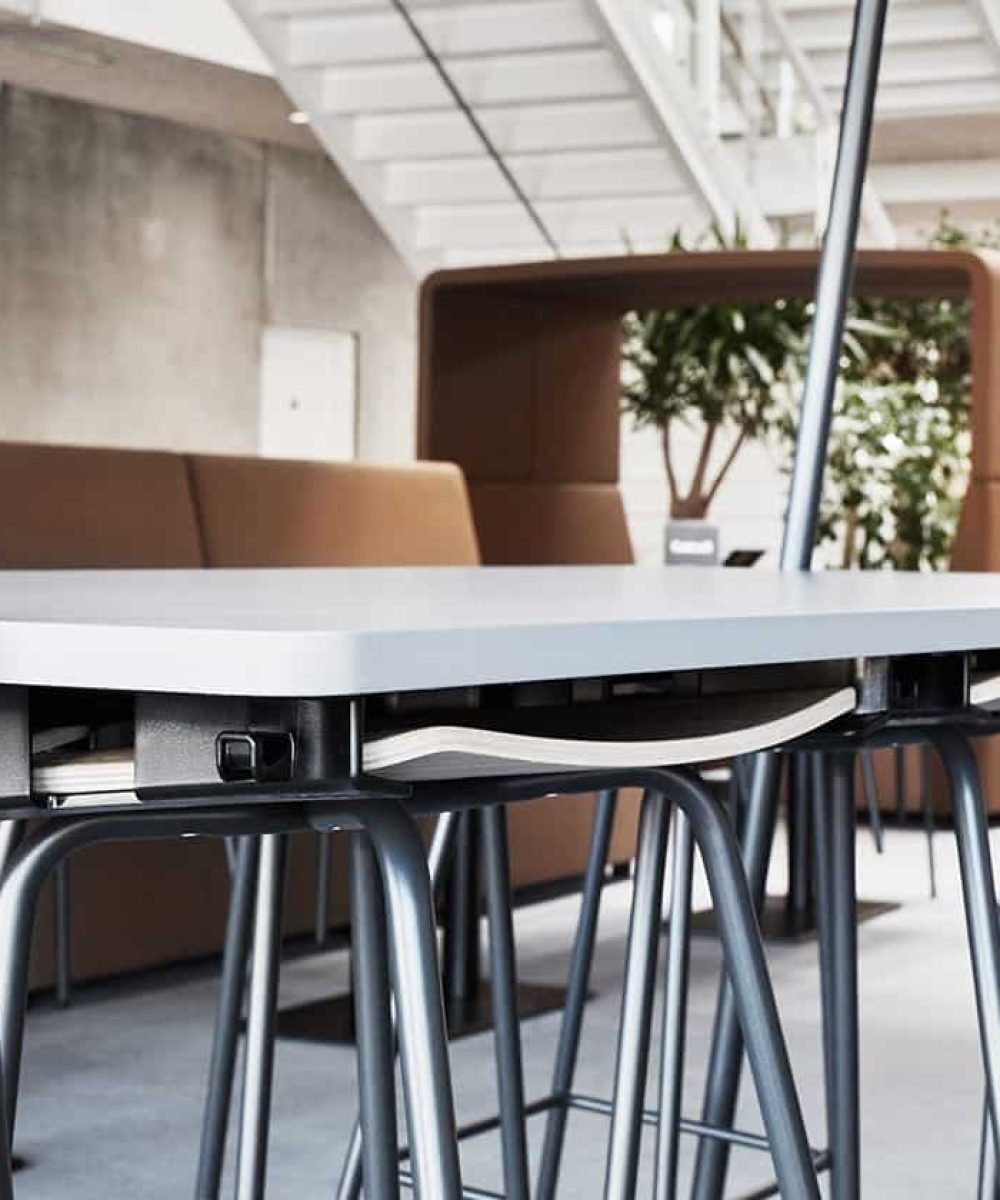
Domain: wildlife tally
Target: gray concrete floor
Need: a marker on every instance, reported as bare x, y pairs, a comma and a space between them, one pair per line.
112, 1088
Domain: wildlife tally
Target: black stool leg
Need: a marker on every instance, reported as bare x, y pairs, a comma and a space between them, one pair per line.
503, 982
871, 799
637, 1000
251, 1167
320, 919
222, 1068
578, 981
416, 979
373, 1024
726, 1056
824, 910
752, 993
349, 1186
837, 923
674, 1011
979, 893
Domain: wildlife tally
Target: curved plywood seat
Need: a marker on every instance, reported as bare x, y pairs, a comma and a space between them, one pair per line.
628, 734
985, 688
646, 732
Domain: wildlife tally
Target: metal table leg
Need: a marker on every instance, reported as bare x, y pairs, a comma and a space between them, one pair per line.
840, 992
503, 981
800, 884
824, 928
251, 1168
674, 1011
979, 894
832, 290
373, 1024
637, 1000
226, 1035
581, 960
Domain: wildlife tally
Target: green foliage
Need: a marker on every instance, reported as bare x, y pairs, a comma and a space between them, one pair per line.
720, 367
898, 457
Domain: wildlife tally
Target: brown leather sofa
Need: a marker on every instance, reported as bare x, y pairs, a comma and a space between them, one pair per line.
93, 508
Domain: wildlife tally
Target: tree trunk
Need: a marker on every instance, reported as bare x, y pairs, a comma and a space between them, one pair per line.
689, 508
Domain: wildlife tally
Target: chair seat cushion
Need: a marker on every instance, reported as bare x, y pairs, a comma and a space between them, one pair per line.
479, 743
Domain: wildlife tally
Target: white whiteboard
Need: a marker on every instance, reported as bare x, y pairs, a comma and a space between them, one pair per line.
308, 394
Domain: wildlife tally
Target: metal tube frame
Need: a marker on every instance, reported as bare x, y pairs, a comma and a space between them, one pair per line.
258, 1067
375, 1037
746, 967
403, 868
349, 1186
674, 1022
987, 1185
320, 915
503, 984
979, 896
837, 920
635, 1020
222, 1068
725, 1059
577, 986
832, 291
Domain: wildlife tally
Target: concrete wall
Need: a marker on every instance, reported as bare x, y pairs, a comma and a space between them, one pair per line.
139, 260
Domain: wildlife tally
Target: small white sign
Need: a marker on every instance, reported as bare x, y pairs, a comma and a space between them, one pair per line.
308, 394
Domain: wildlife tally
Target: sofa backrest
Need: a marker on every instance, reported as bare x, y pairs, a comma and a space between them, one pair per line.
77, 507
559, 524
258, 512
68, 506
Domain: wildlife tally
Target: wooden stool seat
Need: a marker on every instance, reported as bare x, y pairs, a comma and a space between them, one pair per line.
984, 688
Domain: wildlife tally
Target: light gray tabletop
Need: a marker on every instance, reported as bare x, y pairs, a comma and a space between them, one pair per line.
346, 632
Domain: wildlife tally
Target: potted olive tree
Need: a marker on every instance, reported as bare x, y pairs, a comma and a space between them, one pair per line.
719, 369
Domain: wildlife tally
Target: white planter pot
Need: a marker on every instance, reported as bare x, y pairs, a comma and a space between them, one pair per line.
691, 543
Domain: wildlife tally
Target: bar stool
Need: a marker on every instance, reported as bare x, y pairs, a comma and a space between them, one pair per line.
610, 742
96, 793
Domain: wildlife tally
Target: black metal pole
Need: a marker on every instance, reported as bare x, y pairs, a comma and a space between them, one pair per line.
833, 287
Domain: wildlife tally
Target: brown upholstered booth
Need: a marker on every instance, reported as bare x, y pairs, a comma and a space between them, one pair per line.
519, 385
89, 508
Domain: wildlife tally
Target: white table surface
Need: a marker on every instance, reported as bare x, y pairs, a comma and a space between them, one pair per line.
343, 632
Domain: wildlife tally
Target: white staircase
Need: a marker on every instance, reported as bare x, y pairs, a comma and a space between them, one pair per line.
941, 56
495, 130
602, 142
